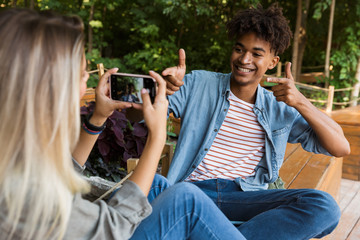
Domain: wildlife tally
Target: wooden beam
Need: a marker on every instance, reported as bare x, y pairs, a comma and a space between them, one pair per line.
330, 99
131, 164
100, 66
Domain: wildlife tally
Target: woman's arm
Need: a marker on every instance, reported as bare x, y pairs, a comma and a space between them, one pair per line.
104, 107
155, 119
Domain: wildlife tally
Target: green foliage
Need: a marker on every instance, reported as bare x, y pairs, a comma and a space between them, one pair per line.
345, 56
320, 7
140, 35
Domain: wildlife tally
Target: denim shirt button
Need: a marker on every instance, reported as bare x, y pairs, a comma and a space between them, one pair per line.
225, 110
206, 149
215, 130
193, 166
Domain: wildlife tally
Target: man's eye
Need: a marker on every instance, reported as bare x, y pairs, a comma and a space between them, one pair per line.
238, 50
257, 55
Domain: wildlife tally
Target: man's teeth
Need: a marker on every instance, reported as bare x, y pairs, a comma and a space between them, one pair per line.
243, 69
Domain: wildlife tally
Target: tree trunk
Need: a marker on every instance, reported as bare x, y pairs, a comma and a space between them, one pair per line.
296, 40
31, 4
102, 33
90, 30
302, 39
355, 93
14, 3
90, 33
328, 47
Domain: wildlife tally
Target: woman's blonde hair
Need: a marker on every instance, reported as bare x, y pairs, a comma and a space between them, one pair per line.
40, 72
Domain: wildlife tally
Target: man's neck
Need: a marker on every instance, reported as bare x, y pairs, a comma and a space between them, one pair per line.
246, 93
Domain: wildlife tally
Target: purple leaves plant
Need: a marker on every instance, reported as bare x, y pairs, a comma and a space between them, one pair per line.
120, 141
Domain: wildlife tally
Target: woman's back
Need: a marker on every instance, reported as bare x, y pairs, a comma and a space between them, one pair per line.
40, 58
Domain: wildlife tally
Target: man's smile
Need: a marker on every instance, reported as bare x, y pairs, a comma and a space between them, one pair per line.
244, 69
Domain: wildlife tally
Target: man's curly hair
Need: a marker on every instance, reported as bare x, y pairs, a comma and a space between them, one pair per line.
268, 24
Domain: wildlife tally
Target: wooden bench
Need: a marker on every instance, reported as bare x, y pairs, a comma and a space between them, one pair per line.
302, 169
349, 120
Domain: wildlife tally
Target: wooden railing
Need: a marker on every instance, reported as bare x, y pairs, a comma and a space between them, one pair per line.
330, 92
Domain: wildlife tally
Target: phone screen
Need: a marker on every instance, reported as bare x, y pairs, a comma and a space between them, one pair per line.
127, 87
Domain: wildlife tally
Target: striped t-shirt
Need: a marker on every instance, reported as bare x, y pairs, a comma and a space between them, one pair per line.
238, 147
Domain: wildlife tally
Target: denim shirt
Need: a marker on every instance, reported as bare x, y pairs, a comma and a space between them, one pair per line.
202, 104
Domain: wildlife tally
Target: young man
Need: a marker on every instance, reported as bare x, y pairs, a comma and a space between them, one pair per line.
234, 134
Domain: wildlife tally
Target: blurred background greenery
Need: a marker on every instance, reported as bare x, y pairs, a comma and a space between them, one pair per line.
141, 35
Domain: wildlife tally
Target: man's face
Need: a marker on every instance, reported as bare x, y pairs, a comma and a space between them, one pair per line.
250, 59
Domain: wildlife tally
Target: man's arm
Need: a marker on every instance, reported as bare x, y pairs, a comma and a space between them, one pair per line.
329, 133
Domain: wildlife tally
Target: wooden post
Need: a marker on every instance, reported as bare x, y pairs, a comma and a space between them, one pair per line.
167, 155
100, 67
131, 164
355, 92
296, 40
330, 99
328, 47
278, 69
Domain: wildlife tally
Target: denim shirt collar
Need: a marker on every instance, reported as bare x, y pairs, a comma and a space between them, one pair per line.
226, 91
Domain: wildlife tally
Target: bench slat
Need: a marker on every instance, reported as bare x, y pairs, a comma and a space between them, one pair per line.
294, 164
312, 173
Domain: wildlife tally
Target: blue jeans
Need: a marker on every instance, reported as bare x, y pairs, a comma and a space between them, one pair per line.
275, 214
183, 211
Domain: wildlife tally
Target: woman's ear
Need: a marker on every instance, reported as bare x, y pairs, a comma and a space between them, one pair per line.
274, 62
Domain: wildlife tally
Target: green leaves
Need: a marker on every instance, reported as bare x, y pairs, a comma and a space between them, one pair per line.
96, 24
141, 35
320, 7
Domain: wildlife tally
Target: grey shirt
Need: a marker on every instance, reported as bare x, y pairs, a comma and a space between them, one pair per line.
115, 219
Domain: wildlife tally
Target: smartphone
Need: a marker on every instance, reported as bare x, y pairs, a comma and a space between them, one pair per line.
127, 87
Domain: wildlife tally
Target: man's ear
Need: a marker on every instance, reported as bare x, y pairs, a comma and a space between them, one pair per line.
274, 62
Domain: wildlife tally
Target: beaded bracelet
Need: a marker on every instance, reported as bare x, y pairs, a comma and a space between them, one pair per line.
92, 129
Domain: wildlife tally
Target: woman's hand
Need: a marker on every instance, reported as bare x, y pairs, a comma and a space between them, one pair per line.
155, 114
105, 106
155, 118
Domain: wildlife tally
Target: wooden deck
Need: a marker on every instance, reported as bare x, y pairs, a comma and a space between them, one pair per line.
349, 201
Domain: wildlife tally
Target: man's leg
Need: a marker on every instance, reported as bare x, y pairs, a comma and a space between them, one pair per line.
183, 211
275, 214
159, 184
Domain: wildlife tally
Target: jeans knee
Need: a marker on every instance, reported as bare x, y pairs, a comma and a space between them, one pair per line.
160, 181
159, 184
186, 188
189, 191
324, 207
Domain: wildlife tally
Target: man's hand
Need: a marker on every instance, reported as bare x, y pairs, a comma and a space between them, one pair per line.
175, 75
286, 90
328, 132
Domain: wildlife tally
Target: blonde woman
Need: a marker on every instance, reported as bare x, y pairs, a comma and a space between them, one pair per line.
42, 78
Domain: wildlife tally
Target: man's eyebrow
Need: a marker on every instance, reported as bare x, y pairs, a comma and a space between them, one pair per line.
255, 48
